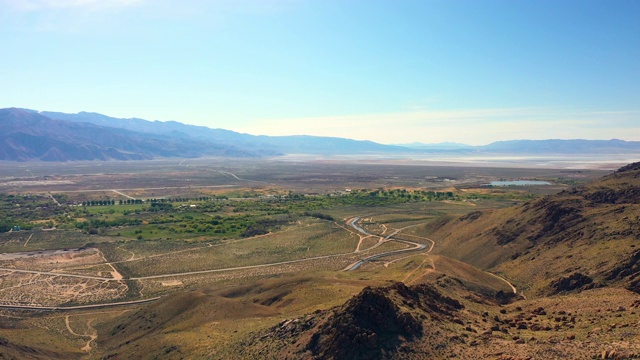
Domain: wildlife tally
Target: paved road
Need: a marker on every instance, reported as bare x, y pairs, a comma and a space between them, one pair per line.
354, 224
187, 273
79, 307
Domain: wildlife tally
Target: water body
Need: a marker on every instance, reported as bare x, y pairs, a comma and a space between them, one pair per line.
519, 183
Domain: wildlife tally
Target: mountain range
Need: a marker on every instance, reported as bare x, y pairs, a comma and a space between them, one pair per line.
29, 135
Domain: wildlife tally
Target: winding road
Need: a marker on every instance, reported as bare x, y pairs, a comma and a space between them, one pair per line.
353, 223
416, 246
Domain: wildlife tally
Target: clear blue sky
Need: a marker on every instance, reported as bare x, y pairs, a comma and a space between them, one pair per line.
390, 71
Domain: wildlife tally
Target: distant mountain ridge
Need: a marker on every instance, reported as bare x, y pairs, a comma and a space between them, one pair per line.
438, 146
173, 128
29, 135
557, 146
262, 145
549, 146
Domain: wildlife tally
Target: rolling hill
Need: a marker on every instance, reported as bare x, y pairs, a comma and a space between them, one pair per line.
574, 257
581, 238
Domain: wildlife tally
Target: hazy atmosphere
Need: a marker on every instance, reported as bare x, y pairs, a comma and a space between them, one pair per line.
387, 71
320, 179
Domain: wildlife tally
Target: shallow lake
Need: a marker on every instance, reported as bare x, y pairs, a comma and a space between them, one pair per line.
519, 183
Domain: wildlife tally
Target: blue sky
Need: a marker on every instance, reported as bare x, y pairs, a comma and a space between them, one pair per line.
389, 71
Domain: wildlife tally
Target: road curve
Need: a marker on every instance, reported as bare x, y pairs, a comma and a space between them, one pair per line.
416, 246
513, 288
352, 222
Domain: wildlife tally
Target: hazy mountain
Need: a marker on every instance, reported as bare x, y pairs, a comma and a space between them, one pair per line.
50, 136
442, 146
533, 147
171, 128
555, 146
53, 136
333, 145
264, 145
304, 144
26, 135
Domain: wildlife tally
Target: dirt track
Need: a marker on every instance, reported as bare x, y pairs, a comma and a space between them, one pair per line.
417, 247
78, 307
353, 223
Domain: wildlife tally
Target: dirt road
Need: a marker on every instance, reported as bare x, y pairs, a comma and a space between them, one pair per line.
78, 307
59, 274
353, 223
416, 246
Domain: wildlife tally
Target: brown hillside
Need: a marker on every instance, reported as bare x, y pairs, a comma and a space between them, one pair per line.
580, 238
379, 323
205, 322
420, 322
172, 328
10, 350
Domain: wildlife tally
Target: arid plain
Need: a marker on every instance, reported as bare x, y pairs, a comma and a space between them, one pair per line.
200, 258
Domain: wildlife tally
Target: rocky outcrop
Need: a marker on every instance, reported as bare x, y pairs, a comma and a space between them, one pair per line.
556, 216
371, 325
472, 216
575, 281
628, 270
375, 322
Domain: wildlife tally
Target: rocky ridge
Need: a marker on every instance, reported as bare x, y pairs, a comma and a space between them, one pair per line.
375, 324
583, 237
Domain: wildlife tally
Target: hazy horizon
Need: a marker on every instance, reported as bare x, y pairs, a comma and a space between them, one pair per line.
446, 142
414, 71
